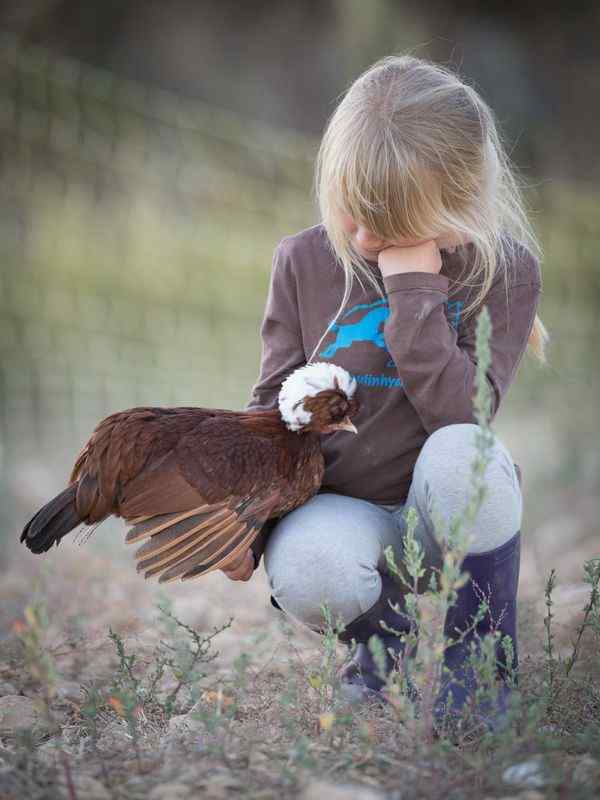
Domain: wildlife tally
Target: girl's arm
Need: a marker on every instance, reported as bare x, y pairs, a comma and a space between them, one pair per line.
282, 350
437, 363
282, 347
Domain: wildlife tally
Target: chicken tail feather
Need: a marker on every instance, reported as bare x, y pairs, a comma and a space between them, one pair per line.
53, 521
221, 558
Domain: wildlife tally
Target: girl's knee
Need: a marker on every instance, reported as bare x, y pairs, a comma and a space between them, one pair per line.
346, 595
458, 439
309, 566
447, 457
443, 477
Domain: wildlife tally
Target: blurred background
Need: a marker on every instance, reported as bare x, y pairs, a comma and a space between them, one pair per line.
153, 155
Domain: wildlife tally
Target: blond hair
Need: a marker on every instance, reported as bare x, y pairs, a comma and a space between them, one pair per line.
412, 151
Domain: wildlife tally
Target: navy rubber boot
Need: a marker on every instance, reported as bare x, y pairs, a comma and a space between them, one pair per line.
359, 676
494, 578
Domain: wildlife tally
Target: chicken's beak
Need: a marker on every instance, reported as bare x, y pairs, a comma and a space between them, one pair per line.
344, 425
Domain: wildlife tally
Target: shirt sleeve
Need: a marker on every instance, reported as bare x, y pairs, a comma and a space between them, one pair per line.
281, 335
282, 352
436, 362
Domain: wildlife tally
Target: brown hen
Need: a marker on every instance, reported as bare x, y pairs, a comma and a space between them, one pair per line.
200, 483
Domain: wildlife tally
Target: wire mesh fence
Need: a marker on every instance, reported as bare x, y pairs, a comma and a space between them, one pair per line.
137, 229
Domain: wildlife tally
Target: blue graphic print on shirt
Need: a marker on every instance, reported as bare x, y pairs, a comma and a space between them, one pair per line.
369, 328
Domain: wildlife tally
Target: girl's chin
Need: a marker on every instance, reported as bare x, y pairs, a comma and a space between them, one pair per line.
372, 255
449, 245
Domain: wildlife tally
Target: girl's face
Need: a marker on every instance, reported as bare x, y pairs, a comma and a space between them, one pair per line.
368, 245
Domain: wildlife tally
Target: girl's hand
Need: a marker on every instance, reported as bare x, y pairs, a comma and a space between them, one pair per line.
242, 569
423, 257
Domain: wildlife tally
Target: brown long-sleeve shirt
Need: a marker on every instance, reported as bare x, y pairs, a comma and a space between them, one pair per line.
412, 353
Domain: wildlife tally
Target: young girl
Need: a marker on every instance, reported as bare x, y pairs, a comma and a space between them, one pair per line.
419, 201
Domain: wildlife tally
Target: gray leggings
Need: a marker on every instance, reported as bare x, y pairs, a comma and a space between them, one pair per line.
330, 550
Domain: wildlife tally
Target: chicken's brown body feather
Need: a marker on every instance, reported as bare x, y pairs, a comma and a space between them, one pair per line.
197, 483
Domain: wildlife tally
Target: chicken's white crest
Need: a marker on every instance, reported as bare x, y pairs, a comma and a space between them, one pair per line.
310, 380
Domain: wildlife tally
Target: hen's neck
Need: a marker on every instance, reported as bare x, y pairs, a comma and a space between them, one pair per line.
269, 421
